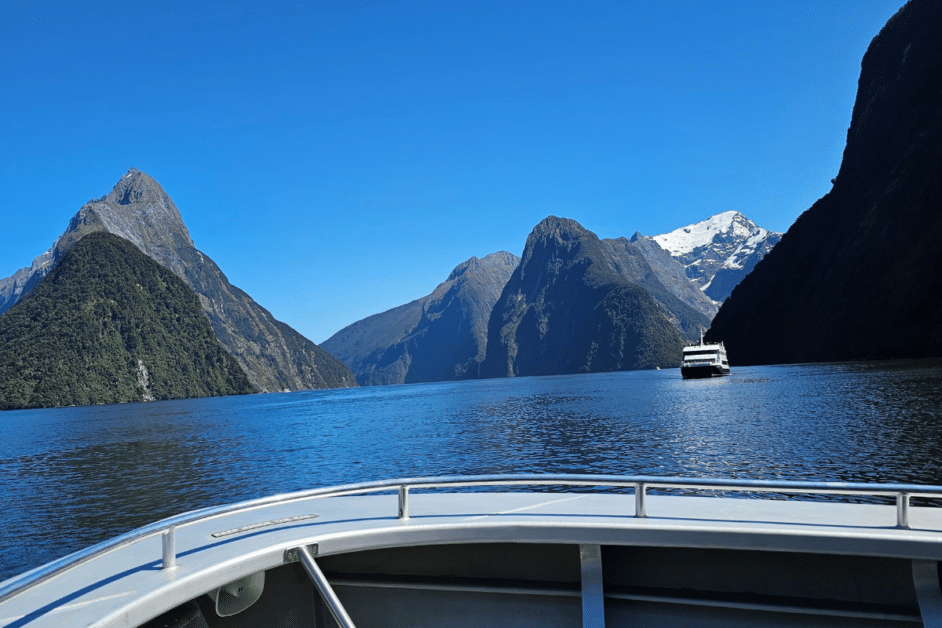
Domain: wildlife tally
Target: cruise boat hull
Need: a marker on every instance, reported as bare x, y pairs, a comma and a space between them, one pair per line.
700, 372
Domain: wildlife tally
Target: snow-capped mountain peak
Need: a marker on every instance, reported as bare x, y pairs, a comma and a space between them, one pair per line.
687, 239
718, 252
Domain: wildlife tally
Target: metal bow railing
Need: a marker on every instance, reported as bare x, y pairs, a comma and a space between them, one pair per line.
641, 485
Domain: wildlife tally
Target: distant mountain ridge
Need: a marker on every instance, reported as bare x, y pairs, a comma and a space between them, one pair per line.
274, 356
110, 325
395, 346
438, 337
566, 309
859, 274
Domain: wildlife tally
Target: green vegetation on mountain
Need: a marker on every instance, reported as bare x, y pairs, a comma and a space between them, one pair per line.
274, 355
110, 325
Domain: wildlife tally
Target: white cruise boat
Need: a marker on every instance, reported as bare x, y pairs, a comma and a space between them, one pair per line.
650, 554
704, 360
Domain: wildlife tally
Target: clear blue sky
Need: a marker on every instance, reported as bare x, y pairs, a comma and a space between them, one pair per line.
337, 159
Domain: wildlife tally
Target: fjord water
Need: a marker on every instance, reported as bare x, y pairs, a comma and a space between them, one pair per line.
71, 477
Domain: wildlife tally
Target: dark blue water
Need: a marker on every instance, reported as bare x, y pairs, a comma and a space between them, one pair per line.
74, 476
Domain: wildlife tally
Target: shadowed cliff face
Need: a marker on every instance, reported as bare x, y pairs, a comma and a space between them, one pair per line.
565, 309
438, 337
274, 356
859, 274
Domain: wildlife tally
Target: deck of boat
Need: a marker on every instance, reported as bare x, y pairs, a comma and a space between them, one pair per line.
523, 559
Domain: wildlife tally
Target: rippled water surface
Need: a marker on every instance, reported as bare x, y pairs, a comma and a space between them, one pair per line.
74, 476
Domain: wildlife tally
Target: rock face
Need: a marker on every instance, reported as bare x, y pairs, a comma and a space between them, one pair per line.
566, 309
435, 338
682, 305
673, 276
110, 325
859, 274
274, 355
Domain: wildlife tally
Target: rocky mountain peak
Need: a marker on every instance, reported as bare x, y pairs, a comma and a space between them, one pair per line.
721, 227
553, 228
138, 209
134, 187
465, 267
477, 265
556, 239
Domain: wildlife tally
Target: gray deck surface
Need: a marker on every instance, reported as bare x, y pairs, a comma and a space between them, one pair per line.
127, 586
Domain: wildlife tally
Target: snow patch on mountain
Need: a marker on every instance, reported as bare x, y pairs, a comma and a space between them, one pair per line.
738, 259
718, 252
687, 239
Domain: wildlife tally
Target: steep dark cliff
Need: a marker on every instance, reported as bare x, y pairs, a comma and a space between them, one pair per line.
110, 325
565, 309
859, 274
435, 338
275, 356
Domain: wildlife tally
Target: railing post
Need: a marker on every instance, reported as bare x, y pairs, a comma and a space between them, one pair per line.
902, 510
403, 502
926, 581
170, 548
640, 489
330, 598
593, 596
